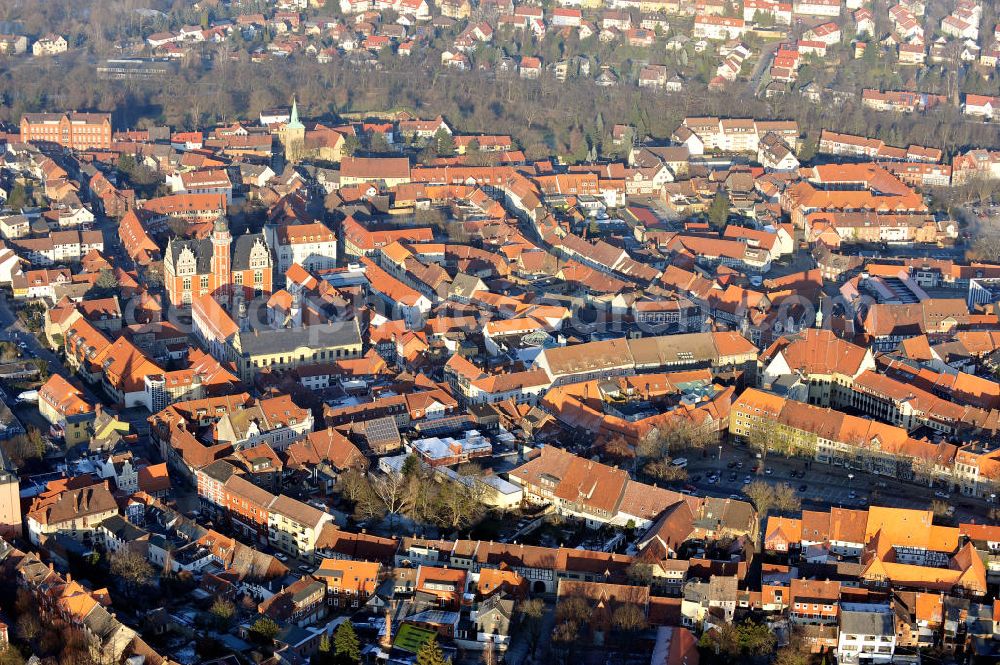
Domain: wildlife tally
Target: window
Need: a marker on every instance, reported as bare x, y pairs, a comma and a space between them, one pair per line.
204, 281
238, 279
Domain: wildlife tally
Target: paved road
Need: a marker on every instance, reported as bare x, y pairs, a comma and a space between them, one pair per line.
763, 62
15, 332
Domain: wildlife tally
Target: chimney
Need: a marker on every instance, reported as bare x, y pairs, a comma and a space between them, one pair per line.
387, 638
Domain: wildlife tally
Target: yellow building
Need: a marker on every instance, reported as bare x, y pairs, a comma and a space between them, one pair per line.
288, 348
276, 348
294, 527
63, 405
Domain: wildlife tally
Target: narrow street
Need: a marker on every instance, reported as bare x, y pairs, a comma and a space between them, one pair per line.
13, 331
517, 653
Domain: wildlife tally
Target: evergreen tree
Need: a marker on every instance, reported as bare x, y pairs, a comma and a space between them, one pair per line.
351, 144
264, 629
324, 654
718, 212
18, 197
444, 143
411, 466
430, 654
346, 645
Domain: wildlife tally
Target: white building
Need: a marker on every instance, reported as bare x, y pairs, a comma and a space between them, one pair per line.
448, 451
867, 633
294, 527
718, 27
122, 471
817, 7
205, 181
50, 45
312, 246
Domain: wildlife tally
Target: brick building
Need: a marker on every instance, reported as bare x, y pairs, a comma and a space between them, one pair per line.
78, 131
217, 266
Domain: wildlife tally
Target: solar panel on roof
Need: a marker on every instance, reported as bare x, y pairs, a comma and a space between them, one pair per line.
442, 425
381, 429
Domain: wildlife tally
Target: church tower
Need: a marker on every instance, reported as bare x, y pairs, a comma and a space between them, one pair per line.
222, 241
293, 135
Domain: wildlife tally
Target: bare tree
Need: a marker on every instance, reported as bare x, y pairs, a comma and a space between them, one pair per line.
664, 470
940, 508
677, 434
530, 614
761, 440
390, 488
640, 573
628, 618
762, 496
461, 500
573, 608
352, 484
785, 498
987, 248
132, 569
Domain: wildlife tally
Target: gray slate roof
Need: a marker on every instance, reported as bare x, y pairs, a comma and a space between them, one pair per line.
340, 333
857, 622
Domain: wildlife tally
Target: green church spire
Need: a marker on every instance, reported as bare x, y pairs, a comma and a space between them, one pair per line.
293, 122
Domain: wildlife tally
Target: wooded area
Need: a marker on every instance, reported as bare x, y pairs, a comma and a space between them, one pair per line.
572, 118
545, 116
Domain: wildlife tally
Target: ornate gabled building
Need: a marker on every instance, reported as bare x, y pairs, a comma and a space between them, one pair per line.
220, 266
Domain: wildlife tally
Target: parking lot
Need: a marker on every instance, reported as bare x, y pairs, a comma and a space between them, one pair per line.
819, 486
